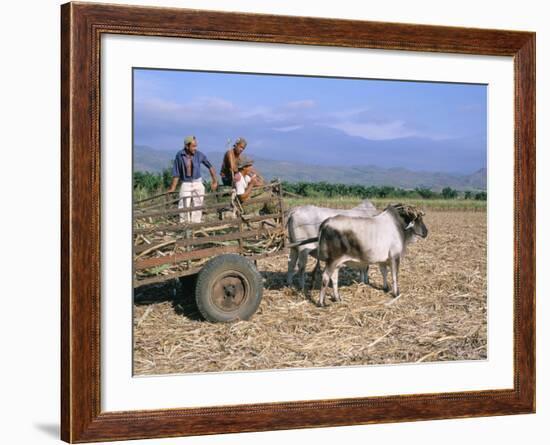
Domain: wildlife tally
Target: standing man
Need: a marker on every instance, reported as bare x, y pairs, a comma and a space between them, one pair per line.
187, 168
229, 171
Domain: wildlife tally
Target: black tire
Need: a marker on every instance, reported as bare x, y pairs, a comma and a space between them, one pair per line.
229, 288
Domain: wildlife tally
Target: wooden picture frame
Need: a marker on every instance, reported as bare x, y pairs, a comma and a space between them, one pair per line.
82, 26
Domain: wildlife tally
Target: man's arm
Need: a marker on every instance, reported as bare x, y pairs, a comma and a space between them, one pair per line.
175, 176
210, 167
257, 177
253, 182
247, 192
174, 184
214, 184
232, 162
235, 175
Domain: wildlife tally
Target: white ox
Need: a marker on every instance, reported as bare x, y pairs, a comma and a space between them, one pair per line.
303, 224
381, 240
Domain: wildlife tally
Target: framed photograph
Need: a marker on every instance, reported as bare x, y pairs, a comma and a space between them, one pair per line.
274, 222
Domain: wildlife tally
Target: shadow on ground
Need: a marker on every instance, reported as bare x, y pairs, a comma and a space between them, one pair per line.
277, 280
180, 292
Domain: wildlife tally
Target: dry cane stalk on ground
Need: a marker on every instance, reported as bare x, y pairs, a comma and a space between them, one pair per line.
441, 315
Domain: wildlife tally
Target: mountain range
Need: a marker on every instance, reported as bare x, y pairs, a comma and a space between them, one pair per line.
149, 159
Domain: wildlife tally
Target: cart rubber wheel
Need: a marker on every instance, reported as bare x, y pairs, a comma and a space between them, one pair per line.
229, 287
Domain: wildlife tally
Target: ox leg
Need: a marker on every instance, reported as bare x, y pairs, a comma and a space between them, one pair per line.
292, 258
334, 278
384, 272
394, 273
331, 271
364, 275
316, 273
302, 263
324, 283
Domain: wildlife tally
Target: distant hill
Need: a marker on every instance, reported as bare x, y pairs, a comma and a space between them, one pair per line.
149, 159
326, 146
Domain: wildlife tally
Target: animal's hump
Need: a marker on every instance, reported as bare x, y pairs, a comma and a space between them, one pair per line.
366, 204
406, 210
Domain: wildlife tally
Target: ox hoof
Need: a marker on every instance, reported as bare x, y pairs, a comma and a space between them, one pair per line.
393, 300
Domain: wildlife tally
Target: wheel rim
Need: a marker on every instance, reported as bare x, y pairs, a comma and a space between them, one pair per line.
230, 291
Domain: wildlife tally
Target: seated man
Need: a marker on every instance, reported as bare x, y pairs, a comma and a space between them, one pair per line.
246, 181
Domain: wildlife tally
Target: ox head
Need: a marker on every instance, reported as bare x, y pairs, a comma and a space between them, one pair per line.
412, 219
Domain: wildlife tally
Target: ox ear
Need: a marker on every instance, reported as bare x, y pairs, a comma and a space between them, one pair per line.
410, 225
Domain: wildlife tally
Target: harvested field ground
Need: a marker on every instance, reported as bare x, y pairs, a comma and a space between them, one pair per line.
441, 315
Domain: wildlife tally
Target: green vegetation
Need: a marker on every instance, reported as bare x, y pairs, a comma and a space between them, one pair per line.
338, 195
449, 193
147, 184
326, 190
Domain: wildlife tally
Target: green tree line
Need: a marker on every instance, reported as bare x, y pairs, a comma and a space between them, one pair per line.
327, 190
149, 183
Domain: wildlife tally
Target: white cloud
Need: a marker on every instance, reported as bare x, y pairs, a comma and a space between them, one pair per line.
376, 131
292, 116
216, 110
210, 103
198, 110
288, 128
352, 113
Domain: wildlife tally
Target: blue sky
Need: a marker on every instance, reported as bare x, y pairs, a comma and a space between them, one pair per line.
316, 120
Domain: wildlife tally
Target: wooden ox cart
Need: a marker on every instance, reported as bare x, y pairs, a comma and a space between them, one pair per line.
221, 249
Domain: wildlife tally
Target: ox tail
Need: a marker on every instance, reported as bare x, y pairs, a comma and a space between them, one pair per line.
288, 216
302, 242
291, 237
322, 249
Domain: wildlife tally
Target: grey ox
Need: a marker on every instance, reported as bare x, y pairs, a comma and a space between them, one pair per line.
303, 223
380, 239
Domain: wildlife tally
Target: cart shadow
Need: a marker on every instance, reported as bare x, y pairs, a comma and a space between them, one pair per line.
277, 280
179, 292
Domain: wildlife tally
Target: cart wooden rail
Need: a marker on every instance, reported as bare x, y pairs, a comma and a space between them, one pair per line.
231, 233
